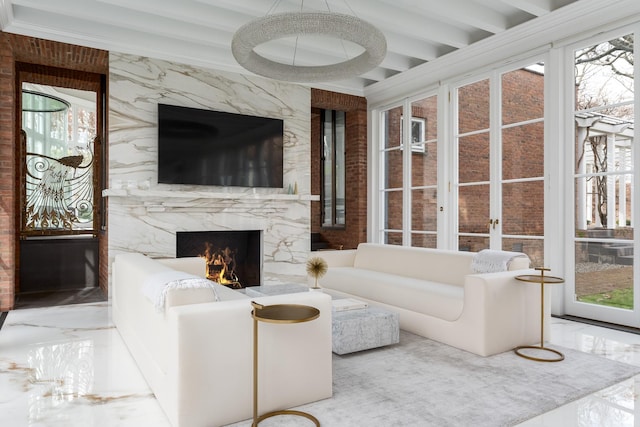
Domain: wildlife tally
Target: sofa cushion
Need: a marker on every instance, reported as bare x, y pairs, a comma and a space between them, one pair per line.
434, 265
422, 296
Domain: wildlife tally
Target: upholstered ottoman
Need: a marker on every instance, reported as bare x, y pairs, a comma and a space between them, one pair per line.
363, 329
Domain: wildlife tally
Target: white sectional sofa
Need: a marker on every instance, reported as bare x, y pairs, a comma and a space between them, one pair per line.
196, 353
437, 295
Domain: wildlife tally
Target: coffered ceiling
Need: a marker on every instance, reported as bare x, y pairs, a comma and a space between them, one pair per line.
199, 32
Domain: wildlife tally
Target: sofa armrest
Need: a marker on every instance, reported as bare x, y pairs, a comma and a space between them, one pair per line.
338, 258
192, 265
210, 367
335, 258
509, 309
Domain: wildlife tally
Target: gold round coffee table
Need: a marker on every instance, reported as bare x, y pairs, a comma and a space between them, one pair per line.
542, 280
277, 313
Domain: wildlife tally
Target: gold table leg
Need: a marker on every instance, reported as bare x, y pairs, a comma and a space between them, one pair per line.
558, 355
258, 419
255, 373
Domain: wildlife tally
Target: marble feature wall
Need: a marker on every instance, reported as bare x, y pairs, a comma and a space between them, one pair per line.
144, 216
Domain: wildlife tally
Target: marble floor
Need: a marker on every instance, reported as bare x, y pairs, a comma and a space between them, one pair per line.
67, 366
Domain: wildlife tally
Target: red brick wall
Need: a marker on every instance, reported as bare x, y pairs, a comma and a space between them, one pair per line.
7, 176
40, 54
355, 230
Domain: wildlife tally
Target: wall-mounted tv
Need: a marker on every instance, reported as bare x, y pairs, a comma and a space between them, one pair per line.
206, 147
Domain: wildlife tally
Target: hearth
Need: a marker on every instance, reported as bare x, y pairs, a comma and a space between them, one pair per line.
234, 258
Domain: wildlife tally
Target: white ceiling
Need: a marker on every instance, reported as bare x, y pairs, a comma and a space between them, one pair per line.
199, 32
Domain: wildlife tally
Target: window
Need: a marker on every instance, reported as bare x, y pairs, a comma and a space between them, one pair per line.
408, 190
391, 190
333, 168
423, 164
417, 134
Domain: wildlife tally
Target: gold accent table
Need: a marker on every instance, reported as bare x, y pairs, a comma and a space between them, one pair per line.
277, 313
542, 280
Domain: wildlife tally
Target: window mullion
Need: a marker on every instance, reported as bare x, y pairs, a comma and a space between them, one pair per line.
406, 168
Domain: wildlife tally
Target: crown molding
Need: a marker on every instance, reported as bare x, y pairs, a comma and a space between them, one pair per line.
6, 14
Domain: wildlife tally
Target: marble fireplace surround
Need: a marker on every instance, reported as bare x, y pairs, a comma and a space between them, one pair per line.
144, 216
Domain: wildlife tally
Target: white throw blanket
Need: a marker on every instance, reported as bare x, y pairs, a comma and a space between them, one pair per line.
491, 261
155, 288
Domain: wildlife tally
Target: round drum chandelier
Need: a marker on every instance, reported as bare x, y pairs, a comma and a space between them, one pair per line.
276, 26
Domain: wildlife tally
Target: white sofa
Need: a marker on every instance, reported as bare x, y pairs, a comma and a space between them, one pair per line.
197, 353
437, 295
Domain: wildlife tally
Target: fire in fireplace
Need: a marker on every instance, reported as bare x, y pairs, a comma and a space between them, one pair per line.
221, 265
233, 257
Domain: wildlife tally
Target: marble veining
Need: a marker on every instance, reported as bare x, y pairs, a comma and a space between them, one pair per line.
67, 366
144, 216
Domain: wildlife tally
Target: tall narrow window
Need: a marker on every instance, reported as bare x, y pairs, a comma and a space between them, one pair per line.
391, 181
424, 172
333, 168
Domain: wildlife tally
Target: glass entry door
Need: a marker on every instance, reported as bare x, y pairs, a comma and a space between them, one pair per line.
500, 168
604, 285
59, 224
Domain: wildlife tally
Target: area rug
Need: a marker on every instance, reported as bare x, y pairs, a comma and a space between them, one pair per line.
420, 382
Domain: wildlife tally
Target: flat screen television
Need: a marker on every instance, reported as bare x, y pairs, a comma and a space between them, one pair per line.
206, 147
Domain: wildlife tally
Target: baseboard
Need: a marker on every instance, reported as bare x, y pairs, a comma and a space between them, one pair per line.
592, 322
3, 315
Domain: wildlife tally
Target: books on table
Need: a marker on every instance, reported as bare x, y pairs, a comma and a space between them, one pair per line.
344, 304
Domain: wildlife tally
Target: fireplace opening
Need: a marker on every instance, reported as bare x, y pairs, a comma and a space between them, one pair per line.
234, 258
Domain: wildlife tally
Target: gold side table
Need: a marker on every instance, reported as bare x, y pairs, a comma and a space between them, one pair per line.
277, 313
542, 280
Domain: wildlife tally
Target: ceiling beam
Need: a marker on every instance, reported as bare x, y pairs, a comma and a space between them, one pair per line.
534, 7
190, 12
461, 11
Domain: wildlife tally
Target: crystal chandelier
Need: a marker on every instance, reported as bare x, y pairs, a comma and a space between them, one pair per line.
294, 24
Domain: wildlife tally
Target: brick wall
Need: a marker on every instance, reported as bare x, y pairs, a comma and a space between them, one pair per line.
46, 62
355, 230
7, 176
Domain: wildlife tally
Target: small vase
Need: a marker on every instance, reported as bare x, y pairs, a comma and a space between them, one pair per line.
315, 289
